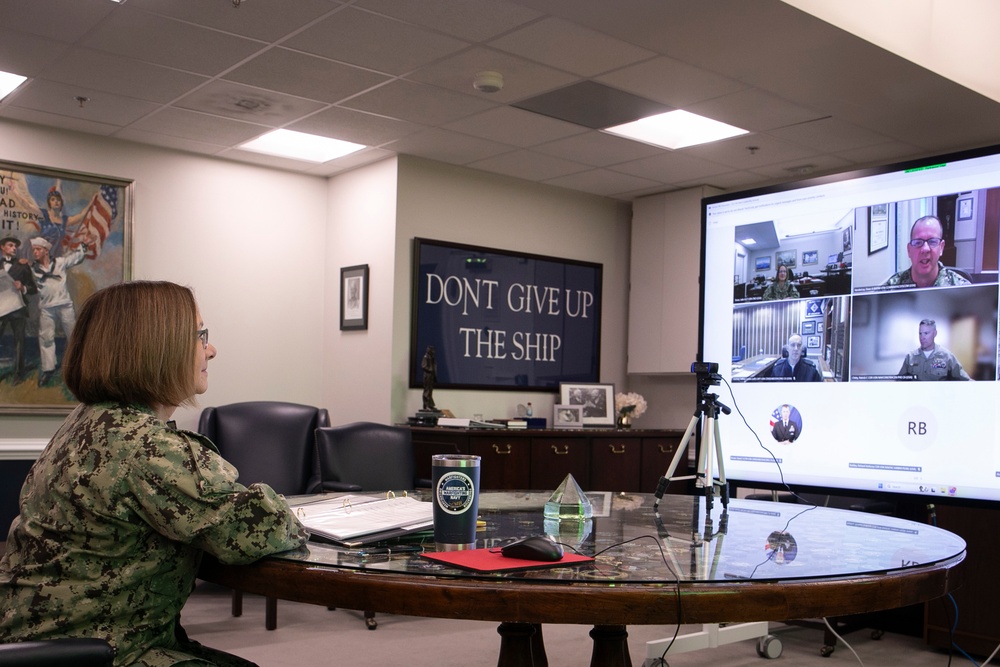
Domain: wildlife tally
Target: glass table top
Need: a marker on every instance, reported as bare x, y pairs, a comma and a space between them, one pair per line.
634, 542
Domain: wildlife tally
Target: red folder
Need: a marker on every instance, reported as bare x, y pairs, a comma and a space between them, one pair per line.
486, 560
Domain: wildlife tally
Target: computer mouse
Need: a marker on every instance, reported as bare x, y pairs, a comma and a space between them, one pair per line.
537, 547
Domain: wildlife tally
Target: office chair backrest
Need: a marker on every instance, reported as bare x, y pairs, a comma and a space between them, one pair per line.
72, 652
268, 441
365, 456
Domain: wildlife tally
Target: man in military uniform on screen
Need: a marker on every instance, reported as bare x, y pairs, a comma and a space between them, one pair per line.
931, 361
924, 249
795, 366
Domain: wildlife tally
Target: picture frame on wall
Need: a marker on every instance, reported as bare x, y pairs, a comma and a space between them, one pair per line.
70, 235
965, 208
596, 401
354, 297
567, 416
812, 342
810, 257
878, 228
785, 257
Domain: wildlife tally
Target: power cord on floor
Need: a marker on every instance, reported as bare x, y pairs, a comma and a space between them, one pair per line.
843, 641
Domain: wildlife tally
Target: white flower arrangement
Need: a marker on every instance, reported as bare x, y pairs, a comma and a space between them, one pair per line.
631, 404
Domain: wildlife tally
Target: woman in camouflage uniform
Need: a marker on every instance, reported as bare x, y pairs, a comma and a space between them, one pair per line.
118, 509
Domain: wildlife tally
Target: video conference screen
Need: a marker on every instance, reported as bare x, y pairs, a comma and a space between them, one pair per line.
855, 318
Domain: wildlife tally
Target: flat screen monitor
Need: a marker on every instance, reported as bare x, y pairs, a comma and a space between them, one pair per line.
877, 374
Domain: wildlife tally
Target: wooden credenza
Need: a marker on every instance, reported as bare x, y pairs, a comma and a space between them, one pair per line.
599, 459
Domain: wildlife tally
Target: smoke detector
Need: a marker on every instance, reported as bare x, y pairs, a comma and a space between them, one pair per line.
488, 81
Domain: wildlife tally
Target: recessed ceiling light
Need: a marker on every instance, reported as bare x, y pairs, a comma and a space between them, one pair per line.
8, 82
675, 129
301, 146
748, 242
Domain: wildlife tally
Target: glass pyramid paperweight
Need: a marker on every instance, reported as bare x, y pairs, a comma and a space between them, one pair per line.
567, 502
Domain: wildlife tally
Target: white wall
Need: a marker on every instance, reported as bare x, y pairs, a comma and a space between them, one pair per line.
362, 226
249, 240
263, 248
446, 203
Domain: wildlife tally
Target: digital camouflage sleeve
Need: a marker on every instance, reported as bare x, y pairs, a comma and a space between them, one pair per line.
114, 517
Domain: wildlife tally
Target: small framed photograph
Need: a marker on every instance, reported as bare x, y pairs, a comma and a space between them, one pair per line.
810, 257
567, 416
596, 401
808, 327
812, 341
762, 263
785, 258
354, 297
965, 208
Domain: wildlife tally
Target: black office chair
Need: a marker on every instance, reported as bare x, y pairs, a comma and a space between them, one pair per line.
271, 442
71, 652
365, 456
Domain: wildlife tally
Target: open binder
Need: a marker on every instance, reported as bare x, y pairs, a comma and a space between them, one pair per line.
353, 520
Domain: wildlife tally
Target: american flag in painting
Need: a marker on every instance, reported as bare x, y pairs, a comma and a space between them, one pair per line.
102, 211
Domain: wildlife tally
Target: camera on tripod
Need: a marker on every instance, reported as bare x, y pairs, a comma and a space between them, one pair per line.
708, 374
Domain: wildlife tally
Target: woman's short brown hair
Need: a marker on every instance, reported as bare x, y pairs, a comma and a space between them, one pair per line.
134, 343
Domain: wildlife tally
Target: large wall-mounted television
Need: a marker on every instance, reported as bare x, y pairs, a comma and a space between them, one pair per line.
876, 372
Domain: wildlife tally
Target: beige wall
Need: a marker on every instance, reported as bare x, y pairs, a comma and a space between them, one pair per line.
263, 249
249, 240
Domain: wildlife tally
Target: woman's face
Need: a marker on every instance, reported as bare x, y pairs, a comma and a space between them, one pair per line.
204, 352
782, 274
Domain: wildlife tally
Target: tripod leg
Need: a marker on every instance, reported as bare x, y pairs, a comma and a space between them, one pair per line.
705, 461
681, 451
723, 484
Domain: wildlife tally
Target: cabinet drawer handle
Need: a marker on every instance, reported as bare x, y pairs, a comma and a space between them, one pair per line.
564, 452
613, 447
668, 449
496, 448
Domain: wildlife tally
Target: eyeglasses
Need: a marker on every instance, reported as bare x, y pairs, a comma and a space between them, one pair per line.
203, 335
931, 243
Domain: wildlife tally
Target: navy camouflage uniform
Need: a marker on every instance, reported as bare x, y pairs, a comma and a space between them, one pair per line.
945, 278
941, 364
114, 518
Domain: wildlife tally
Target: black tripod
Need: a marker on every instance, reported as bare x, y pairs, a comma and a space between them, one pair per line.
706, 413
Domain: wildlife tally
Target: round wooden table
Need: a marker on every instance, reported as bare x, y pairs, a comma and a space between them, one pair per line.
753, 561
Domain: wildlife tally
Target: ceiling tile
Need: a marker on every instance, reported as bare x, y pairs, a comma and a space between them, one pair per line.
671, 82
603, 182
61, 99
472, 20
55, 120
417, 103
137, 34
256, 105
124, 76
750, 151
266, 21
201, 127
828, 135
61, 20
521, 78
357, 126
27, 55
367, 40
304, 75
514, 127
450, 147
598, 149
528, 164
169, 141
592, 105
754, 110
672, 167
570, 47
